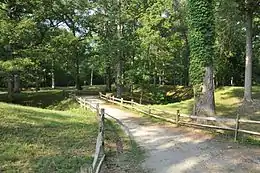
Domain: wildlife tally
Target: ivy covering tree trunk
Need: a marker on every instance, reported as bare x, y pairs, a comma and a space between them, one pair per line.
201, 41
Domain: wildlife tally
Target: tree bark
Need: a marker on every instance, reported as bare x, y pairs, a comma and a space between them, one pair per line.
91, 77
52, 75
37, 84
17, 83
52, 80
186, 60
249, 53
108, 79
10, 89
77, 81
119, 75
204, 97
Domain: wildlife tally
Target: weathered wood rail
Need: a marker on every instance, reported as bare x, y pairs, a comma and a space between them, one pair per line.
100, 150
182, 119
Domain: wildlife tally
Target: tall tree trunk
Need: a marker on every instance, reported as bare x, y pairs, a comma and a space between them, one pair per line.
78, 85
52, 80
160, 79
119, 75
17, 83
108, 79
37, 84
10, 88
249, 52
154, 79
186, 60
52, 75
205, 100
91, 77
201, 41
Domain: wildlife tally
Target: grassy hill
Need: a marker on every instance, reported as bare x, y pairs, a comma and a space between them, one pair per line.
40, 140
59, 138
228, 100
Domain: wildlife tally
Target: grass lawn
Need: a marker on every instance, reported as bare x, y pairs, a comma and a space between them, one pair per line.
40, 140
48, 97
228, 104
59, 138
228, 100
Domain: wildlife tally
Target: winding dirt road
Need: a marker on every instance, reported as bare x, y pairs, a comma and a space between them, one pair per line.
180, 150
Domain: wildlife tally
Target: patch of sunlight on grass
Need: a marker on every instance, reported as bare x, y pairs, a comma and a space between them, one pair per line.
40, 140
228, 99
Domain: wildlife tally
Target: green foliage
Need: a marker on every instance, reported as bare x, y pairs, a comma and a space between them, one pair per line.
71, 38
201, 37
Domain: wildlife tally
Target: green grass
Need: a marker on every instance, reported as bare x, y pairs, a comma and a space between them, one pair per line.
228, 104
42, 99
47, 97
59, 138
228, 100
40, 140
163, 94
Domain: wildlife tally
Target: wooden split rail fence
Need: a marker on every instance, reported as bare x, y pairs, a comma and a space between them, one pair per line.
182, 119
100, 150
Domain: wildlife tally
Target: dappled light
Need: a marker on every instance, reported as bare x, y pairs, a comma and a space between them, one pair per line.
171, 149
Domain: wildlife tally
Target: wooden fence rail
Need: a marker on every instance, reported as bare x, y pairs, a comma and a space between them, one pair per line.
100, 150
182, 119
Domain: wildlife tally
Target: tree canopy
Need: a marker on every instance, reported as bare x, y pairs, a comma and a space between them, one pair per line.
129, 43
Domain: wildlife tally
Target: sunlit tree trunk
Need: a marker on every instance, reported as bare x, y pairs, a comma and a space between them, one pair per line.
52, 75
205, 100
248, 65
108, 79
91, 77
17, 84
119, 75
10, 88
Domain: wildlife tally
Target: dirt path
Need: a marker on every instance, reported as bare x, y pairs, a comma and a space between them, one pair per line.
180, 150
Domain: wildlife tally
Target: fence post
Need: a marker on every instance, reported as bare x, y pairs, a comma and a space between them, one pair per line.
122, 101
132, 103
63, 93
102, 124
81, 104
149, 110
237, 127
97, 108
177, 119
85, 106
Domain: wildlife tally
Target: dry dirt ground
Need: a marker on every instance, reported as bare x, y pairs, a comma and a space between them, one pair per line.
180, 150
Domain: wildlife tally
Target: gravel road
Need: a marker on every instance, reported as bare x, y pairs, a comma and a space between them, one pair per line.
180, 150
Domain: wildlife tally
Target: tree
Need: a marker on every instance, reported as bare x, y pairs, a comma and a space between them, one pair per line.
201, 41
250, 7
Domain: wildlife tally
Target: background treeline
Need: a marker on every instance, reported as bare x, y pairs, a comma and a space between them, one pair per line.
126, 43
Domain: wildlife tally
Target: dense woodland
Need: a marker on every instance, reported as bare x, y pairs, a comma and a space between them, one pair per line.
131, 44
